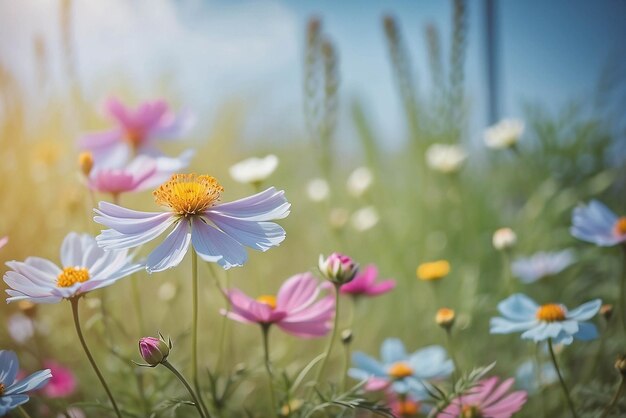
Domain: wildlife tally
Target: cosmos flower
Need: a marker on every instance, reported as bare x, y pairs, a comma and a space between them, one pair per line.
504, 134
359, 181
296, 308
403, 373
364, 283
549, 321
504, 239
338, 268
135, 133
445, 158
141, 173
405, 406
432, 271
487, 400
254, 170
63, 382
84, 267
12, 391
595, 223
541, 265
218, 232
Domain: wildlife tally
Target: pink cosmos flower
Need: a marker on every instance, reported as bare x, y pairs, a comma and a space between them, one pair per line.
486, 400
63, 382
364, 283
296, 309
135, 132
140, 174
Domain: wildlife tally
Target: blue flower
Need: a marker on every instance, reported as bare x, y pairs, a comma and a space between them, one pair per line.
595, 223
405, 373
542, 322
542, 264
12, 392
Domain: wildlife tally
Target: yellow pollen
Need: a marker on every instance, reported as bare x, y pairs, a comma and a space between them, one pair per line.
470, 411
407, 408
400, 370
1, 389
620, 226
433, 271
72, 275
550, 312
268, 300
188, 194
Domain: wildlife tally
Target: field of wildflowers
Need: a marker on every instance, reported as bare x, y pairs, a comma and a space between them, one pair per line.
155, 271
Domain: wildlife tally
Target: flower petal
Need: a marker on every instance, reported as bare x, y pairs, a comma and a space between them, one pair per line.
392, 351
264, 206
9, 366
172, 250
33, 382
215, 246
585, 311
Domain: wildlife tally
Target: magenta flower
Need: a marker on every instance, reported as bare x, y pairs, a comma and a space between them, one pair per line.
486, 400
135, 132
63, 382
364, 283
296, 309
140, 174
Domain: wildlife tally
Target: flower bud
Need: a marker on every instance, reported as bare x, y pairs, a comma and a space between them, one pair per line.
504, 239
620, 364
445, 318
85, 162
346, 336
606, 311
154, 351
338, 268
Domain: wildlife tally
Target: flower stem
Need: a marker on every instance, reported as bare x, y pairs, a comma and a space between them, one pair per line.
23, 412
623, 289
333, 337
184, 382
618, 394
265, 329
194, 328
452, 355
563, 385
74, 302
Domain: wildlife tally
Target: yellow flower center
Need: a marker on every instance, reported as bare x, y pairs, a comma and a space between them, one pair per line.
407, 408
445, 317
268, 300
620, 226
551, 312
433, 271
188, 194
1, 389
72, 275
470, 411
400, 370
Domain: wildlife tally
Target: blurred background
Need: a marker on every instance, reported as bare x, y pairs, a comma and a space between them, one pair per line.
328, 87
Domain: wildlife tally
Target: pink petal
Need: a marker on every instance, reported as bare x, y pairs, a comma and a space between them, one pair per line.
297, 293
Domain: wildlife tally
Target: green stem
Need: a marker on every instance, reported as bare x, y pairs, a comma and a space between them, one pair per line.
539, 381
333, 337
194, 328
180, 377
563, 385
23, 412
618, 394
506, 272
623, 290
452, 354
265, 329
74, 302
346, 366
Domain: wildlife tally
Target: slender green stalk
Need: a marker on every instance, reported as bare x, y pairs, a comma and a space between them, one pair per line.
180, 377
452, 354
563, 385
333, 337
346, 366
623, 289
265, 329
537, 363
194, 328
506, 272
618, 394
23, 412
74, 302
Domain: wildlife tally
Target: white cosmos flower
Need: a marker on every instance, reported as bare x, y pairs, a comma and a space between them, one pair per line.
504, 238
504, 134
359, 181
318, 190
254, 170
364, 218
445, 158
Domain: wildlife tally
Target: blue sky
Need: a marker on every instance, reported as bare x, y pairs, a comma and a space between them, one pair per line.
217, 51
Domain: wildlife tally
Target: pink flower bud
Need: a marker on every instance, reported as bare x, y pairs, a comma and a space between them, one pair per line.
338, 268
154, 350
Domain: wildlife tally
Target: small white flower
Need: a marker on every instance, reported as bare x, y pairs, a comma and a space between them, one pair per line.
445, 158
504, 134
504, 238
318, 190
254, 170
364, 218
21, 328
359, 181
